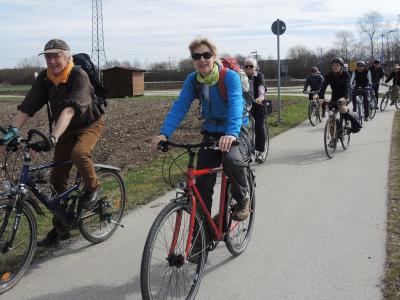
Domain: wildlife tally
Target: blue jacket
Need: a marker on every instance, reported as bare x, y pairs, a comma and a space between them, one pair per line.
219, 116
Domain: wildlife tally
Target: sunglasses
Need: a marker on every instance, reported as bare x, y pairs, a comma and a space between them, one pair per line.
248, 67
206, 55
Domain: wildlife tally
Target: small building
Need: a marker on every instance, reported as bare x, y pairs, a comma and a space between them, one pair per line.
123, 82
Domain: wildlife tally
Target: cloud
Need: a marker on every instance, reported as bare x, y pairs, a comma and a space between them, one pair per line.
154, 30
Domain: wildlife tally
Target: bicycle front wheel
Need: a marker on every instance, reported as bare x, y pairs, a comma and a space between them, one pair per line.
373, 106
15, 253
165, 271
330, 137
312, 114
384, 102
345, 136
397, 103
99, 223
238, 233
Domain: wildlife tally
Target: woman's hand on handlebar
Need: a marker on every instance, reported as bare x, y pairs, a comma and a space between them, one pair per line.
156, 140
225, 142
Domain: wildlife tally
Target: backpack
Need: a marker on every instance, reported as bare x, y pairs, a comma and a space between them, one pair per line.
82, 60
232, 64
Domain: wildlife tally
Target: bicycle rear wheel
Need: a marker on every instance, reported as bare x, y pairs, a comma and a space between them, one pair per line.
238, 233
360, 112
99, 223
384, 102
15, 257
165, 272
373, 106
266, 140
312, 113
330, 138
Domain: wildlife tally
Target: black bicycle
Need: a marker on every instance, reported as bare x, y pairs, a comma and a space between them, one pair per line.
373, 105
18, 230
314, 110
387, 97
335, 130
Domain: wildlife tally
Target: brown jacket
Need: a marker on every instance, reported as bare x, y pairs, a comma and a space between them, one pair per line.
77, 94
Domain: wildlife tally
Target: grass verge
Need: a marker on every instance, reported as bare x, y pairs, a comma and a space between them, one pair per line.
392, 271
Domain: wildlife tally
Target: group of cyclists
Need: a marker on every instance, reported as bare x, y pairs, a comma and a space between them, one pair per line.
79, 122
346, 85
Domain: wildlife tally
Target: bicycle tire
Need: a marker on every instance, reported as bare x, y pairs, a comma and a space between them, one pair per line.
108, 211
397, 103
266, 140
384, 102
360, 112
345, 137
8, 266
373, 106
312, 115
328, 137
147, 285
235, 245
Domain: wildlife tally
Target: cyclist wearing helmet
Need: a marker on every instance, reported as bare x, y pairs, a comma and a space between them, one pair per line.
377, 75
339, 81
361, 82
395, 75
314, 81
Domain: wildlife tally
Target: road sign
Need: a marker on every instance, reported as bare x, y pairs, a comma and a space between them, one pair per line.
278, 27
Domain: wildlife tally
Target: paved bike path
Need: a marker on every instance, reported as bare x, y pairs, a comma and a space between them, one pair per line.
319, 232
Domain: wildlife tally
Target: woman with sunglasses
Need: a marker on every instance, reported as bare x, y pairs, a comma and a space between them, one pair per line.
226, 120
257, 89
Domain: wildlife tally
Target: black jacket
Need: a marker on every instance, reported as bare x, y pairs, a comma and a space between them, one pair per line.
314, 81
395, 76
340, 85
376, 74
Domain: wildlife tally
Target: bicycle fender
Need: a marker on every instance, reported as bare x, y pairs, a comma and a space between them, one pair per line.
101, 166
35, 206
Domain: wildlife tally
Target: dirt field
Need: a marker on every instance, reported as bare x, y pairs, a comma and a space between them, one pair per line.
130, 126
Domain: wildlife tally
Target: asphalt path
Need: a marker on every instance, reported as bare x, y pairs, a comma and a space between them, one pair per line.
319, 232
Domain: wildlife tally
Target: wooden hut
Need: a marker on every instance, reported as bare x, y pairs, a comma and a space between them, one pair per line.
123, 82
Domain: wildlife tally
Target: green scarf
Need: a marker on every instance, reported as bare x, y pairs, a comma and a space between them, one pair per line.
211, 78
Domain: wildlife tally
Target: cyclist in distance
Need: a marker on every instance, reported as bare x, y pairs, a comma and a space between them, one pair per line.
361, 81
339, 81
395, 75
226, 120
314, 81
258, 90
377, 74
346, 69
78, 124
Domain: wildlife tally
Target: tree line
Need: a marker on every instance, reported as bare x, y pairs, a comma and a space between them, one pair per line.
376, 39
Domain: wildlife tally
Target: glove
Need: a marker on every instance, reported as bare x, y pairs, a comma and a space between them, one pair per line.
12, 133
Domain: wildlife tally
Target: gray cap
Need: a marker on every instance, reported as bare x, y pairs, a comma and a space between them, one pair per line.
55, 46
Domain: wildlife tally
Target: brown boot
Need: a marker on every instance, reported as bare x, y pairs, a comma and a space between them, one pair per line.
242, 214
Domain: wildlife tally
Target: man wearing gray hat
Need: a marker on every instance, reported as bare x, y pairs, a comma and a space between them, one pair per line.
77, 124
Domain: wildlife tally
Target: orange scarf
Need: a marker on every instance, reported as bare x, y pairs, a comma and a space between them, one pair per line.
63, 76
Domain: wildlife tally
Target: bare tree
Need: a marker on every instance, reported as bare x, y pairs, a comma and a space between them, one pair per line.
301, 59
369, 25
344, 40
31, 62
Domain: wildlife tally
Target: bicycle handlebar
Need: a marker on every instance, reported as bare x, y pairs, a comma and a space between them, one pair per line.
163, 145
3, 130
43, 145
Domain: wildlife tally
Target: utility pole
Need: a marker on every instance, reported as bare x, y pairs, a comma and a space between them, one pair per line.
98, 52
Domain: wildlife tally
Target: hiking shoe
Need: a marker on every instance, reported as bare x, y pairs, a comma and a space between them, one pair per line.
391, 103
89, 198
261, 157
242, 214
366, 119
53, 238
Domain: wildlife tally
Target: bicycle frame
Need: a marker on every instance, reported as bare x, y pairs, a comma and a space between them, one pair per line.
195, 198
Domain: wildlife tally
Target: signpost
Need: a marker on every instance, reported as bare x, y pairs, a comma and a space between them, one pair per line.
278, 28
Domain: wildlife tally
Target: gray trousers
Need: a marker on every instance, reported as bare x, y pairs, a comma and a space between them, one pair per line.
233, 164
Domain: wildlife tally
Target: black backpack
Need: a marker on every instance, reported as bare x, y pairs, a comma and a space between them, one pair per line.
83, 61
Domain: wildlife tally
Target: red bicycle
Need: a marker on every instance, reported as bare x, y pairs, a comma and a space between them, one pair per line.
184, 232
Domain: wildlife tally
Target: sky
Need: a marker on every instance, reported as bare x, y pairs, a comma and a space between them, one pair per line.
160, 30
